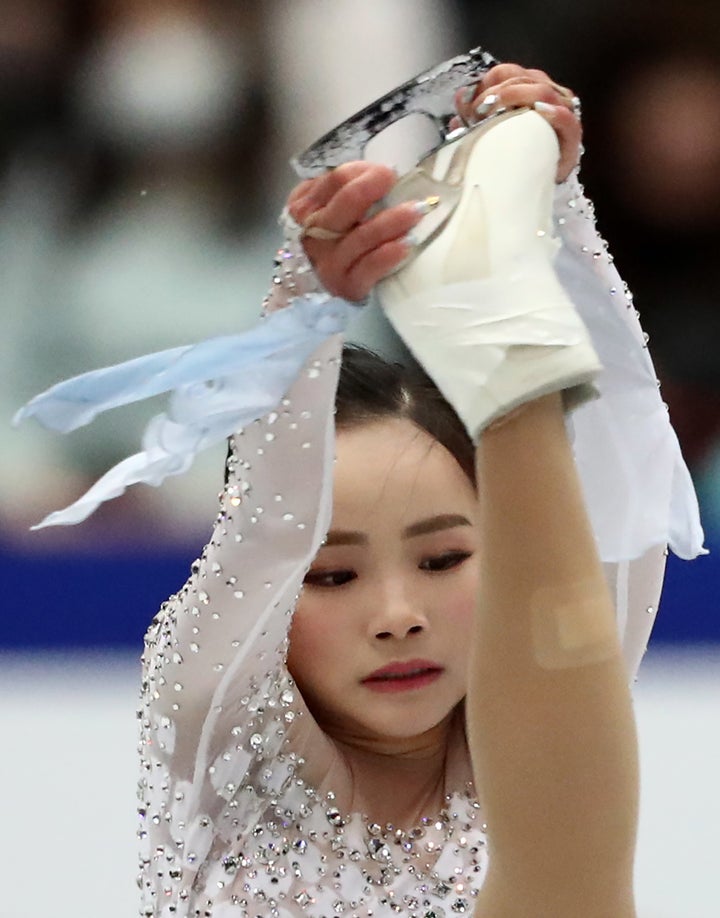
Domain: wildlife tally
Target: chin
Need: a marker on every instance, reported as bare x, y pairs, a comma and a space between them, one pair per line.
385, 717
407, 725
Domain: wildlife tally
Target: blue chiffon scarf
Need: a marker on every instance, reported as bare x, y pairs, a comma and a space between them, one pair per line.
216, 387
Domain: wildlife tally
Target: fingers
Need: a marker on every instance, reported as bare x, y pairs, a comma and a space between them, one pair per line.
569, 131
502, 72
511, 86
340, 199
467, 98
355, 250
523, 87
374, 266
351, 266
299, 193
358, 250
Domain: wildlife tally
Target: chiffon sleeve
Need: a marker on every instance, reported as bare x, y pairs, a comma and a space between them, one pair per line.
637, 488
218, 703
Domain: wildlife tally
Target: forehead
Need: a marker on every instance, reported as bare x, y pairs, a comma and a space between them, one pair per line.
394, 470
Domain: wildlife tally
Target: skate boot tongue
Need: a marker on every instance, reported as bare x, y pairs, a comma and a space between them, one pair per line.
430, 93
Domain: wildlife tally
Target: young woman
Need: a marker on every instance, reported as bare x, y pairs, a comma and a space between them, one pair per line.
453, 588
403, 693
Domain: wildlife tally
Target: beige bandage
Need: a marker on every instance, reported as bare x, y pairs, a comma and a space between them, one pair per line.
318, 232
572, 626
563, 91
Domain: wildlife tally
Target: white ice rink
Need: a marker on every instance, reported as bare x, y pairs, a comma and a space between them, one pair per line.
67, 734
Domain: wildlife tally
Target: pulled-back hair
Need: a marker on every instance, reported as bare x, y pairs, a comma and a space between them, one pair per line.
371, 388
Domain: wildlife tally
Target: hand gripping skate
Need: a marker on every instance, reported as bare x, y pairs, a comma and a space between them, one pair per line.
478, 300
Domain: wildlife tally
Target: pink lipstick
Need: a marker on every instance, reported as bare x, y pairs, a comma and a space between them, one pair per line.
403, 677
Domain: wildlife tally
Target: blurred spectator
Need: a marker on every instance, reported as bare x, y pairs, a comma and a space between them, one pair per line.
143, 160
655, 129
35, 40
649, 77
130, 204
143, 155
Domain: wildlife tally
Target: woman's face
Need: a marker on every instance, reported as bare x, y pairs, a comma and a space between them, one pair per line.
379, 641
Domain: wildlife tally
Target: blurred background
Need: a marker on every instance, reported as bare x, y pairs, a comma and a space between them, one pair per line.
143, 160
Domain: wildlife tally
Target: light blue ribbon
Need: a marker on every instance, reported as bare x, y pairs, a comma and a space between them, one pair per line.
216, 386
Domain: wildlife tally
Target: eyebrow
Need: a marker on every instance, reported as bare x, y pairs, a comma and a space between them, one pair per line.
422, 527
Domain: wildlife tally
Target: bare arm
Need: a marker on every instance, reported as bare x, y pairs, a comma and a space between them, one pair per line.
551, 726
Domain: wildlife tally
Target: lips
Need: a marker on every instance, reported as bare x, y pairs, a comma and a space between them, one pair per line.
405, 675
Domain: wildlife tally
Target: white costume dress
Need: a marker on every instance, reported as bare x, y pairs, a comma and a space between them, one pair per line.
246, 806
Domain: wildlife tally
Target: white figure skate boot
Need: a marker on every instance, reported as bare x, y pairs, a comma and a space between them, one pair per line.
478, 301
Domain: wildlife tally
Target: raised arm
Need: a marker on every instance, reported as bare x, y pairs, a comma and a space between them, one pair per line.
218, 703
551, 727
231, 615
549, 712
507, 305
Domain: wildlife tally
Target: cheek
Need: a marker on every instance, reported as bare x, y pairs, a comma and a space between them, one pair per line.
462, 599
315, 642
458, 613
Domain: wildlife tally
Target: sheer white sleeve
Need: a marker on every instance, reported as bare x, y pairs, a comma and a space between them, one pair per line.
217, 700
637, 487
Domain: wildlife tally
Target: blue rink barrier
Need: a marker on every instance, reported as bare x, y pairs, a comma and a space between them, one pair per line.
105, 599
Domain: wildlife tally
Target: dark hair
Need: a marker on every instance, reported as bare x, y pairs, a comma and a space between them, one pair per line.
371, 388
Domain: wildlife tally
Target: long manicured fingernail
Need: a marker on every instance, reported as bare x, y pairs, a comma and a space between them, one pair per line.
411, 240
484, 107
467, 94
428, 204
547, 111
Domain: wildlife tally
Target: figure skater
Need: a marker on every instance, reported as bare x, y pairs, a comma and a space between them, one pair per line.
394, 683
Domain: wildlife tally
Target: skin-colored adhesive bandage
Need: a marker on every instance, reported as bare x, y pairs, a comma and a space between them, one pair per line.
571, 626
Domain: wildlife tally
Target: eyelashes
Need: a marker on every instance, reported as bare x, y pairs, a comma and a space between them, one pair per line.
326, 579
445, 561
339, 577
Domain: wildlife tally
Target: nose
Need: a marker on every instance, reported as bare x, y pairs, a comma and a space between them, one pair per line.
397, 615
399, 631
